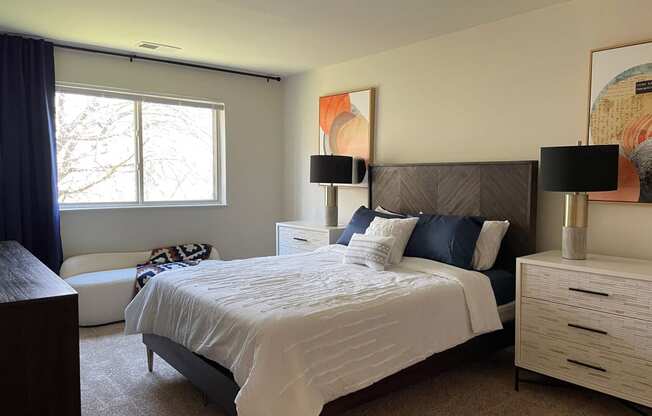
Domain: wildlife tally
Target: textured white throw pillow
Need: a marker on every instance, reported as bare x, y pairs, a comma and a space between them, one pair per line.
399, 228
488, 244
369, 250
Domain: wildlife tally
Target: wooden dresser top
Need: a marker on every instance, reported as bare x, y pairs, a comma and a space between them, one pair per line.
24, 278
595, 263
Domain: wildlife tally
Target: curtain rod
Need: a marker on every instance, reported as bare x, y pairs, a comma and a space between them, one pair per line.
167, 61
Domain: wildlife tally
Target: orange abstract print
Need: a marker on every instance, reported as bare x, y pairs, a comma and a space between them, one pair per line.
349, 136
330, 107
345, 124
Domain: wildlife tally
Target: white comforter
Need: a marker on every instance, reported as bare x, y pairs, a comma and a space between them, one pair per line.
299, 331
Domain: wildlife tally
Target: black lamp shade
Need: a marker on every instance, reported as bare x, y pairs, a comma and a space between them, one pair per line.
334, 169
580, 168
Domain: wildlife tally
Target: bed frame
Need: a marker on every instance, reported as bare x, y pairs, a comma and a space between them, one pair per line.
494, 190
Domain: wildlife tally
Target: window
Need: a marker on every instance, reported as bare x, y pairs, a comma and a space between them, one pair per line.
118, 149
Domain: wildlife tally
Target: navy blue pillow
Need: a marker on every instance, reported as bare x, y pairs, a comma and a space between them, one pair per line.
359, 223
446, 238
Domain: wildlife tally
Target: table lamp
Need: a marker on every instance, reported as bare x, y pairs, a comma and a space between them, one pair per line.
577, 170
332, 170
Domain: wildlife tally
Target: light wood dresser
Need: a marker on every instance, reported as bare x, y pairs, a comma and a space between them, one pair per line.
588, 322
294, 237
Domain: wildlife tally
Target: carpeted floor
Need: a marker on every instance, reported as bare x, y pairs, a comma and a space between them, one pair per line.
115, 382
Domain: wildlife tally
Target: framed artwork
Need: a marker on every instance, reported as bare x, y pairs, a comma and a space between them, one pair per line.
346, 125
620, 112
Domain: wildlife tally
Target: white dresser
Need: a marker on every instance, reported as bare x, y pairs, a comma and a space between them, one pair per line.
588, 322
294, 237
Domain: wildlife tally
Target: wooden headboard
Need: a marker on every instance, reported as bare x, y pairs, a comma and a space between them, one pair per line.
494, 190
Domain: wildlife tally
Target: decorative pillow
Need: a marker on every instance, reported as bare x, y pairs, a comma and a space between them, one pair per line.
369, 250
399, 228
183, 252
359, 223
144, 272
446, 238
382, 210
488, 244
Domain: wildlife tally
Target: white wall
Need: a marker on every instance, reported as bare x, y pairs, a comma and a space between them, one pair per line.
499, 91
245, 227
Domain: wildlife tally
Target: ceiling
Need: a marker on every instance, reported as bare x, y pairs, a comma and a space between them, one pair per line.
270, 36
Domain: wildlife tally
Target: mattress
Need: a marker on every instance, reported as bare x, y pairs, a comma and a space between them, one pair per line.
299, 331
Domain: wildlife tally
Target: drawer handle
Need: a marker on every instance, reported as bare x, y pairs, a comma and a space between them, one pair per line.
300, 239
593, 367
585, 328
590, 292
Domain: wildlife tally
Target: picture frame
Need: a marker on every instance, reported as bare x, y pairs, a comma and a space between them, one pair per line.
619, 112
347, 125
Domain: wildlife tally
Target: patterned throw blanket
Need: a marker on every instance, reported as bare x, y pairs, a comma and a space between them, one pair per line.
171, 258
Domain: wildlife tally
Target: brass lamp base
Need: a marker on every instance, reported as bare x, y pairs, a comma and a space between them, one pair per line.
574, 232
330, 218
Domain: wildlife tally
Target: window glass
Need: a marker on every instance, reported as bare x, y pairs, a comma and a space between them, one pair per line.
103, 138
178, 152
96, 149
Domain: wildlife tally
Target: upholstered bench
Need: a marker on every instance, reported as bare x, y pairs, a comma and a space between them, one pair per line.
105, 283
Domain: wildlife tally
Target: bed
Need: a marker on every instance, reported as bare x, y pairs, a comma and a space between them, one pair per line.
305, 334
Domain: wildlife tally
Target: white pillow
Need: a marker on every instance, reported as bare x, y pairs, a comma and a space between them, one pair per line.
488, 244
399, 228
369, 250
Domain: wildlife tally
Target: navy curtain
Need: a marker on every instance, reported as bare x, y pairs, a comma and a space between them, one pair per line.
29, 211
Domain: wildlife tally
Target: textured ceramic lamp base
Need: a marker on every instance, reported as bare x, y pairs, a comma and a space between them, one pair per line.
573, 243
576, 215
330, 218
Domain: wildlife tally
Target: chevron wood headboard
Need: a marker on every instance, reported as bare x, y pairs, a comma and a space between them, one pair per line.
494, 190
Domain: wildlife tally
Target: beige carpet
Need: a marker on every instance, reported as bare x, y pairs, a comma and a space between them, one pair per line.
115, 382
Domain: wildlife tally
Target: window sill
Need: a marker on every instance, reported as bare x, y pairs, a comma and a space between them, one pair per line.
100, 207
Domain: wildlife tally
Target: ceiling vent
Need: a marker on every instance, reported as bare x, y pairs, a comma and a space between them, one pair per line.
153, 46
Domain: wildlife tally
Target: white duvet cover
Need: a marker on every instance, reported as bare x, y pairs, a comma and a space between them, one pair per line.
299, 331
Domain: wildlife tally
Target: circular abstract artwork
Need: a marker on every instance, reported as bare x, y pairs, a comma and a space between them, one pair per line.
622, 114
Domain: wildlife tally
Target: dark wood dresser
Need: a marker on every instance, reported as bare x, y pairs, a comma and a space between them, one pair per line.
39, 338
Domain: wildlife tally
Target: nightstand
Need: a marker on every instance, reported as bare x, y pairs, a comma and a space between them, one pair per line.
587, 322
294, 237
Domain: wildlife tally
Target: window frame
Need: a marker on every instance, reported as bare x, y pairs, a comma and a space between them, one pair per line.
219, 171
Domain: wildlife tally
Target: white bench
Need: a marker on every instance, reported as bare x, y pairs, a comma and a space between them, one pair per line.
105, 283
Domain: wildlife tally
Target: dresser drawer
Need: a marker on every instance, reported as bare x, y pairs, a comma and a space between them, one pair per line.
589, 366
627, 337
301, 239
625, 297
